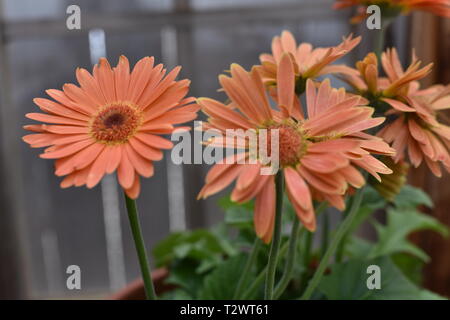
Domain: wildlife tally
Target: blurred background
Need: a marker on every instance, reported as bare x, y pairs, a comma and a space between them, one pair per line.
44, 229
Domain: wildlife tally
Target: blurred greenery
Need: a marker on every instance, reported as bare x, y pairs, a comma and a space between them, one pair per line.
348, 281
207, 264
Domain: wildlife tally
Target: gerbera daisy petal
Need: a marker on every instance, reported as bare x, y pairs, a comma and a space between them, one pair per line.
135, 189
90, 86
145, 150
67, 150
286, 83
114, 158
104, 75
122, 78
98, 169
139, 78
264, 210
55, 119
54, 108
141, 165
125, 171
83, 158
226, 175
298, 188
244, 195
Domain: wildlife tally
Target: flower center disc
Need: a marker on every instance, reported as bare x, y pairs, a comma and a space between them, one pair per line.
290, 144
115, 124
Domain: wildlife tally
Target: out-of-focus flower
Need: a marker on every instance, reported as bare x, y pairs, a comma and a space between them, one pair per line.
319, 155
368, 83
308, 62
112, 121
391, 184
415, 124
392, 8
417, 130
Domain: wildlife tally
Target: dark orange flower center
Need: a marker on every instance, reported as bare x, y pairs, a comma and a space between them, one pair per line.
291, 144
115, 123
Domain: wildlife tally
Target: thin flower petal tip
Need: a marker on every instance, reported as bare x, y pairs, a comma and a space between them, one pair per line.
319, 155
112, 121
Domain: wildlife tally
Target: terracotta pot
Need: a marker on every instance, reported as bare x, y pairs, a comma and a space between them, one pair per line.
135, 290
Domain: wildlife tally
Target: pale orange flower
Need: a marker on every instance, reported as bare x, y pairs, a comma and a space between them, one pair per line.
395, 7
308, 62
414, 128
319, 156
367, 81
112, 121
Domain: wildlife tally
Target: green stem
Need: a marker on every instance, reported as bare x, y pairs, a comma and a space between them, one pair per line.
341, 247
379, 42
275, 246
140, 247
325, 233
342, 229
308, 246
381, 36
246, 272
261, 276
289, 267
309, 237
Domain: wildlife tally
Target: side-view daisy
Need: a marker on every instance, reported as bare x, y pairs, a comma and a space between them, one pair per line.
308, 62
416, 122
319, 155
111, 122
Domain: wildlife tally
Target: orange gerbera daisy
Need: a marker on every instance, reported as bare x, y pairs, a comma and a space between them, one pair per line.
395, 7
414, 112
417, 129
368, 83
319, 156
308, 62
112, 121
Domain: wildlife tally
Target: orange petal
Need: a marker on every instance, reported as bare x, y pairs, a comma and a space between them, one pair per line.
286, 83
135, 189
125, 171
122, 78
264, 209
297, 188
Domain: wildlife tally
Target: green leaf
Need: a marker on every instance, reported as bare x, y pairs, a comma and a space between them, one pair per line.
239, 217
358, 248
201, 245
175, 294
226, 203
371, 202
221, 283
411, 197
392, 237
348, 281
183, 274
164, 250
410, 266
